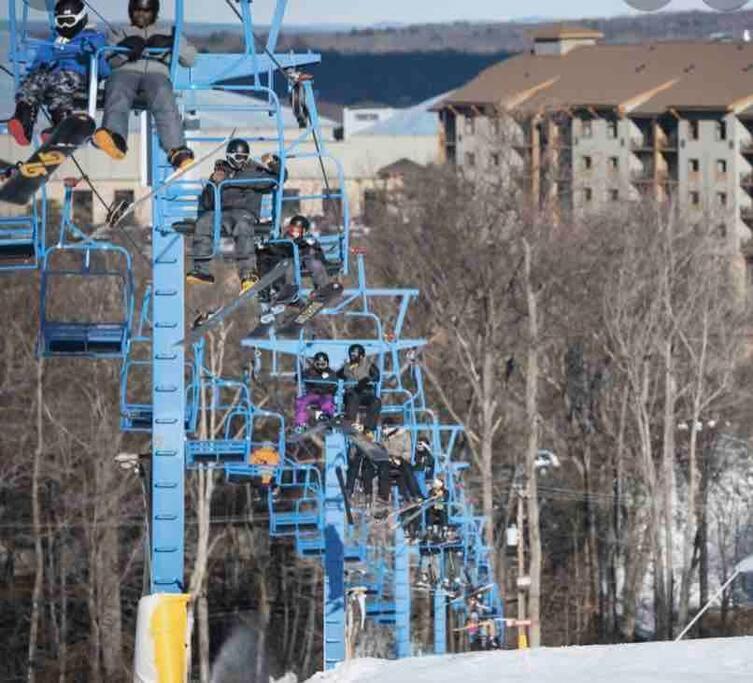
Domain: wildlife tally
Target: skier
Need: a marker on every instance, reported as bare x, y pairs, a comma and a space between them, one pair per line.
310, 253
136, 72
363, 376
240, 211
436, 515
320, 384
59, 71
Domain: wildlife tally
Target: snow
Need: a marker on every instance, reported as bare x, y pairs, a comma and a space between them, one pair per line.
715, 660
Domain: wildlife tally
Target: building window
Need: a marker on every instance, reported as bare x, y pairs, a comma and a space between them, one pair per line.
693, 130
694, 165
494, 126
373, 206
586, 128
613, 163
612, 129
721, 166
291, 203
721, 231
587, 163
588, 194
695, 198
614, 195
494, 159
720, 131
721, 198
367, 117
331, 204
83, 207
470, 159
470, 125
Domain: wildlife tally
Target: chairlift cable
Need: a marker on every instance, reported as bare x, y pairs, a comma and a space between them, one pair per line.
290, 80
93, 9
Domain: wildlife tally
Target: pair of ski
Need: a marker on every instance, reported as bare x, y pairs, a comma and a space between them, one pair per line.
291, 320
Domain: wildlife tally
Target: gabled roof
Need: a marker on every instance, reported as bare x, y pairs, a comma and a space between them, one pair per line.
647, 78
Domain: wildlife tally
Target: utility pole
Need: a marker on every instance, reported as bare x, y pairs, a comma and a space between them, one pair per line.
520, 582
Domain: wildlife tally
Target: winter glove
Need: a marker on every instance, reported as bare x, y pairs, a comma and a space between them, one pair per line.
160, 41
135, 45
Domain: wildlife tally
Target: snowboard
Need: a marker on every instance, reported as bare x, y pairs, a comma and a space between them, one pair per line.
294, 318
212, 320
32, 174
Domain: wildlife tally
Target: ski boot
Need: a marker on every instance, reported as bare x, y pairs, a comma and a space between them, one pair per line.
180, 158
111, 143
21, 126
57, 116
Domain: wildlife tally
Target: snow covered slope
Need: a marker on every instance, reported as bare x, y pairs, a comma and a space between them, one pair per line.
719, 660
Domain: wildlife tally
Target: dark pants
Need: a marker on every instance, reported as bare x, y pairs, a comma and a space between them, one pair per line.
355, 399
236, 223
121, 90
401, 475
361, 466
54, 89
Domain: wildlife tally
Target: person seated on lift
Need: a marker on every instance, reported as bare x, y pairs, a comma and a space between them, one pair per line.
138, 72
310, 252
240, 211
320, 385
59, 72
363, 376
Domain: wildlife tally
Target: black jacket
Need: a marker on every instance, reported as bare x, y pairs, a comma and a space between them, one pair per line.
318, 382
247, 196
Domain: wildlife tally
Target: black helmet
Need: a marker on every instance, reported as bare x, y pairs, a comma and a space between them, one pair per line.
300, 222
70, 17
237, 152
151, 5
321, 360
356, 353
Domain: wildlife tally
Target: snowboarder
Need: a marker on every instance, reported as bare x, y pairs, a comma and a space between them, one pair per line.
240, 211
320, 385
312, 259
138, 72
59, 71
436, 514
363, 376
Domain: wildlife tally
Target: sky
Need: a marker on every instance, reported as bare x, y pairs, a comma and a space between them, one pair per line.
397, 11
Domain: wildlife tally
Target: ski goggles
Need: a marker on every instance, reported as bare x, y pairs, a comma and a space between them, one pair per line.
69, 20
238, 158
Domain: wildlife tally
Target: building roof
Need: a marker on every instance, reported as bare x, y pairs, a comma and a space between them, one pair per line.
646, 78
416, 121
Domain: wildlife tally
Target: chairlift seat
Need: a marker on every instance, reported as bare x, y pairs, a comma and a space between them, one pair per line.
91, 340
18, 244
217, 451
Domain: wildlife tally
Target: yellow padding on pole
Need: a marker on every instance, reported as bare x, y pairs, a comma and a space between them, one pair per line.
168, 627
522, 641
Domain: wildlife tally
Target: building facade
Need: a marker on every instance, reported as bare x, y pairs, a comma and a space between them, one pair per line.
594, 123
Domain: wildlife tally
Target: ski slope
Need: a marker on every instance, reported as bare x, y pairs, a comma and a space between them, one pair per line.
717, 660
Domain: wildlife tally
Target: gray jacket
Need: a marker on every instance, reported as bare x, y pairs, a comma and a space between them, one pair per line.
154, 64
